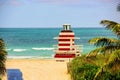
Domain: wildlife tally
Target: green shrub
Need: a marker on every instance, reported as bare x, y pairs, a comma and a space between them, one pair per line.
86, 72
80, 70
108, 76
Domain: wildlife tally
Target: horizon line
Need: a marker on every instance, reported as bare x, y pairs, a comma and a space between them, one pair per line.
53, 27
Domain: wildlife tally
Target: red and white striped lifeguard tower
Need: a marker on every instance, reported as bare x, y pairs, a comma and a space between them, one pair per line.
66, 48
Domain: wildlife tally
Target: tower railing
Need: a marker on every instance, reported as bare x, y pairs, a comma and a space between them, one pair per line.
78, 48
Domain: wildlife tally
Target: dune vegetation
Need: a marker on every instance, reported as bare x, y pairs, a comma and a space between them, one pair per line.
103, 63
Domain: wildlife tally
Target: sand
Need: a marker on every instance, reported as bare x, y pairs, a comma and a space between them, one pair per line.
36, 69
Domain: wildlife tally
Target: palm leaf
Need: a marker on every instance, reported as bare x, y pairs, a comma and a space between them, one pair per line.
113, 26
114, 61
100, 42
113, 65
99, 73
109, 24
97, 51
103, 50
93, 53
3, 54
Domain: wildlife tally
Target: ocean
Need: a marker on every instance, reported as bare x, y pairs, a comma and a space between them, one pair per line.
38, 42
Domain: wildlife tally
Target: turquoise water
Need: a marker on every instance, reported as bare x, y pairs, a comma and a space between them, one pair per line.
38, 42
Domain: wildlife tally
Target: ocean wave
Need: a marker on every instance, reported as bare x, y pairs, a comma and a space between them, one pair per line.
19, 50
8, 49
42, 48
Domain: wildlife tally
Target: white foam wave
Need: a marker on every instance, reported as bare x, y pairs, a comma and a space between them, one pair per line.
19, 50
42, 48
8, 49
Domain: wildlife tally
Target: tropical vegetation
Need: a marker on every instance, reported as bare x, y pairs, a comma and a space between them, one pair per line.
3, 54
103, 63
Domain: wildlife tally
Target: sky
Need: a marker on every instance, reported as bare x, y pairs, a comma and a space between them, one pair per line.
55, 13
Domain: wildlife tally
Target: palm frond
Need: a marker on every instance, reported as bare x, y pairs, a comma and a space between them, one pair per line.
114, 61
113, 26
109, 24
103, 50
112, 48
100, 42
113, 65
116, 29
99, 73
94, 52
3, 54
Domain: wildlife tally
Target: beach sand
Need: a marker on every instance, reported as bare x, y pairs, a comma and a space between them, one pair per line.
37, 69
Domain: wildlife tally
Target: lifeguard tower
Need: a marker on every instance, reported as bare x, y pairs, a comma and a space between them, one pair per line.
66, 48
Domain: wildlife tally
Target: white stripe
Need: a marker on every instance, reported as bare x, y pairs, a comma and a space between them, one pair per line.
66, 33
63, 52
64, 46
66, 37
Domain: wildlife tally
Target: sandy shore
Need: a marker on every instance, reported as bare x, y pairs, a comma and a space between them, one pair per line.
40, 69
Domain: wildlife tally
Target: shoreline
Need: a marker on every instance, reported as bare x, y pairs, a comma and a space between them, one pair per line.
30, 59
39, 69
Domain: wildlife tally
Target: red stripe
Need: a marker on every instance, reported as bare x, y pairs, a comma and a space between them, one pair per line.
64, 55
65, 49
64, 44
65, 39
66, 36
66, 31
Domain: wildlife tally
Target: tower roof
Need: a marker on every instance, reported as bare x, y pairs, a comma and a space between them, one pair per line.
66, 27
